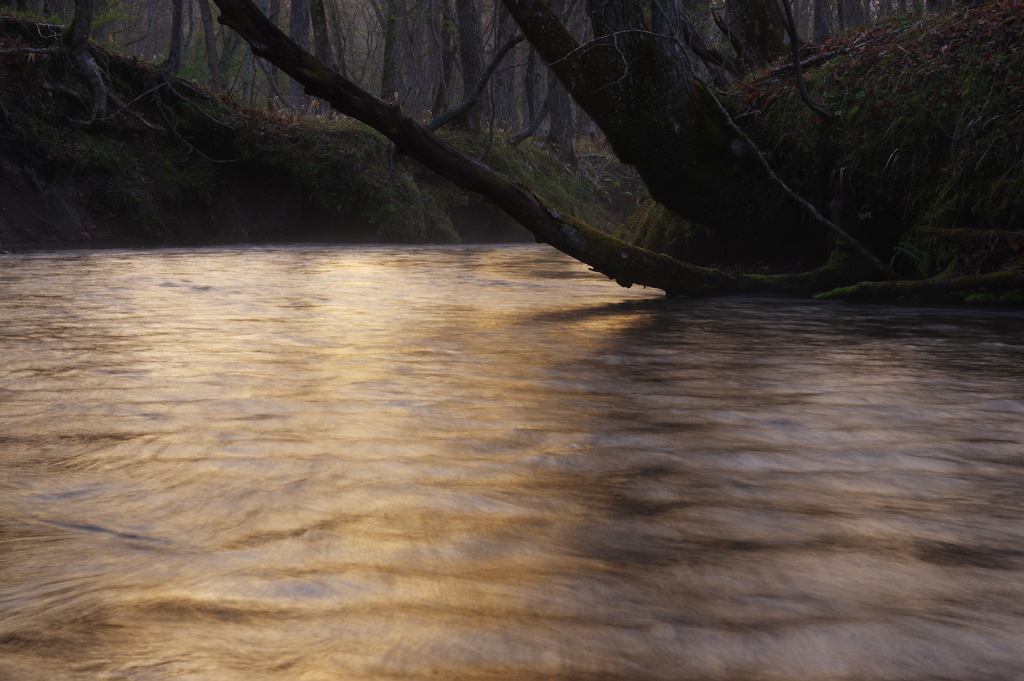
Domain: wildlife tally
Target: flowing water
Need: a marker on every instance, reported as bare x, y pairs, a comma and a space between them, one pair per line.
345, 463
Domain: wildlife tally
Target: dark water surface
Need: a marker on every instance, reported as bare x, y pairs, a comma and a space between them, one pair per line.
346, 463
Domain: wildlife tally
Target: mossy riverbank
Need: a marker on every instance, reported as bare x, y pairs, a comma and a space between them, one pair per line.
176, 165
923, 163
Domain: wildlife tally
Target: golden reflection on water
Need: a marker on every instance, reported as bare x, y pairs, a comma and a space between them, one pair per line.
314, 462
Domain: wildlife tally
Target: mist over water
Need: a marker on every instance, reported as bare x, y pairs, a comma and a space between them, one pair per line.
345, 463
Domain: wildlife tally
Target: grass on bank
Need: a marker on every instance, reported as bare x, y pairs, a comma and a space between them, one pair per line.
214, 154
924, 162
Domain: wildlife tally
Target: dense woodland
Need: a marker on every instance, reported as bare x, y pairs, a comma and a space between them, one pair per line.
842, 142
428, 55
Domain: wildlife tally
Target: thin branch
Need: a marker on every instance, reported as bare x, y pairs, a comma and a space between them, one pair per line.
838, 231
174, 128
134, 115
697, 42
194, 105
811, 61
31, 50
534, 124
272, 82
478, 89
786, 13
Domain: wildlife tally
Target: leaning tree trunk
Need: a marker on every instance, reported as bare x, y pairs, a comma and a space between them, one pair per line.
623, 262
640, 88
618, 260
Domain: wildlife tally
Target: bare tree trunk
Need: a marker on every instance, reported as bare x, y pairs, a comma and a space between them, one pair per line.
616, 259
339, 38
444, 36
851, 13
190, 15
757, 24
822, 20
563, 124
173, 63
321, 41
211, 46
299, 30
640, 89
389, 64
474, 96
76, 36
274, 14
532, 84
76, 40
472, 57
506, 115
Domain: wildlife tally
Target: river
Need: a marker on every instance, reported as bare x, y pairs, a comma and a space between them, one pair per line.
485, 462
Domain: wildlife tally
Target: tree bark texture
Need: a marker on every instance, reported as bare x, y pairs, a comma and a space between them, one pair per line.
321, 41
639, 87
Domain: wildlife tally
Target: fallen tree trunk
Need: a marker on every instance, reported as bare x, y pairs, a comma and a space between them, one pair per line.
620, 261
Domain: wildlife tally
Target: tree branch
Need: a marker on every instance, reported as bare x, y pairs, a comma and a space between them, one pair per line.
612, 257
478, 89
534, 124
786, 14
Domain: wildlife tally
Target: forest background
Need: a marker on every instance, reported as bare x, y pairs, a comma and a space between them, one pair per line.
437, 58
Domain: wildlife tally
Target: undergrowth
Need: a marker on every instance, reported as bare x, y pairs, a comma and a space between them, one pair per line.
924, 162
238, 172
928, 139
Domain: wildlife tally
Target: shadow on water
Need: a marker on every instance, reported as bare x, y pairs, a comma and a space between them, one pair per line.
487, 463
